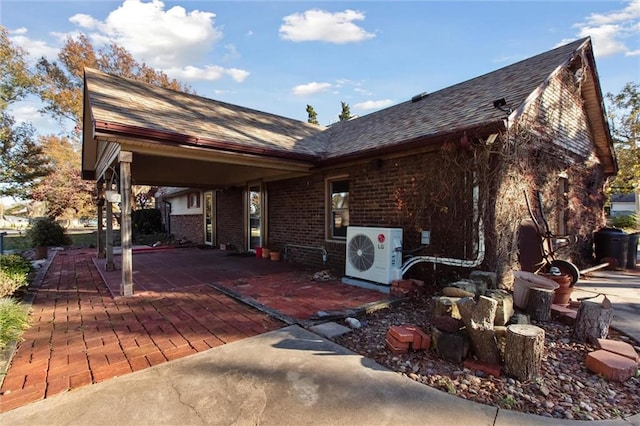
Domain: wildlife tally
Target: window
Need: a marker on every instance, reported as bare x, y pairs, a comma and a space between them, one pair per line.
193, 200
339, 208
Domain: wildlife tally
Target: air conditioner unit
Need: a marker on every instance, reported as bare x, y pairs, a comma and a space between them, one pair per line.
374, 254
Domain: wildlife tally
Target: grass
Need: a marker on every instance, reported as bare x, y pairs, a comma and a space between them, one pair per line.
14, 319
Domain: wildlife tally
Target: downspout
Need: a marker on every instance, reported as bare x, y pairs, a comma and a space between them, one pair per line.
168, 215
462, 263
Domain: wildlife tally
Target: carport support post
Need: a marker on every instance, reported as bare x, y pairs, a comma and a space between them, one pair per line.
126, 286
109, 265
100, 236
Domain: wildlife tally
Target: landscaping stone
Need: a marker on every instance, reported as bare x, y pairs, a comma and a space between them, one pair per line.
330, 329
489, 279
610, 365
443, 305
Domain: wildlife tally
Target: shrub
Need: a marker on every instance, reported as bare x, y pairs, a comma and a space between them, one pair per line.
146, 221
10, 282
14, 320
44, 232
15, 263
626, 222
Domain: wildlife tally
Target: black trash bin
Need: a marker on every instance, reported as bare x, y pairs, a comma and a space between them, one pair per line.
632, 254
612, 243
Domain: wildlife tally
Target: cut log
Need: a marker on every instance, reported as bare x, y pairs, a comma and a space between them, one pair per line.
539, 304
524, 347
593, 321
478, 319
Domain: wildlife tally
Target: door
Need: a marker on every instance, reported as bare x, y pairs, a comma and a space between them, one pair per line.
255, 216
209, 218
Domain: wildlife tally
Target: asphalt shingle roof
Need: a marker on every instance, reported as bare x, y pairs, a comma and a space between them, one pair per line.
462, 106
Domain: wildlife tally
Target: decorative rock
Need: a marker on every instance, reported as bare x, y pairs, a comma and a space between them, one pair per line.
612, 366
617, 347
353, 322
504, 310
444, 305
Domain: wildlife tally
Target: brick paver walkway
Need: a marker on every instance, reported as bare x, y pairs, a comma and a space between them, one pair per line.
81, 335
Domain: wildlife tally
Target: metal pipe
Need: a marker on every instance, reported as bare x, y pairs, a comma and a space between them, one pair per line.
324, 250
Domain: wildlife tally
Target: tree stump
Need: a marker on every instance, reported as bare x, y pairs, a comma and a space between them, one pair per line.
524, 347
478, 319
592, 321
539, 304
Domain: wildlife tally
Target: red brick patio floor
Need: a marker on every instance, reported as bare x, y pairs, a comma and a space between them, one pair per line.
81, 334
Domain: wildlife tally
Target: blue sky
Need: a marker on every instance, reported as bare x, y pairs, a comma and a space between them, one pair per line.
280, 56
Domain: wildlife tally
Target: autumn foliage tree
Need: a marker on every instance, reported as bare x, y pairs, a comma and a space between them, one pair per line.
624, 119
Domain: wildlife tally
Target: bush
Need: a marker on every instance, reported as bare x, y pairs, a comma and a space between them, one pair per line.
45, 232
625, 222
14, 320
10, 282
15, 263
146, 221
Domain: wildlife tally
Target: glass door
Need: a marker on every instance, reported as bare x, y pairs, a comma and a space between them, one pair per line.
209, 219
254, 204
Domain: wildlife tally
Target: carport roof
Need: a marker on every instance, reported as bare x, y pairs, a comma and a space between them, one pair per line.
121, 106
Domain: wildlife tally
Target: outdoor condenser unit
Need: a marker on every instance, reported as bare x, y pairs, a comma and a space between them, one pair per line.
374, 254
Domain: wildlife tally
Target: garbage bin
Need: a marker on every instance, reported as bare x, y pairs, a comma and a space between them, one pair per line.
632, 254
612, 243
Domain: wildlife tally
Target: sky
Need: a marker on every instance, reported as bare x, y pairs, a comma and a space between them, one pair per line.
280, 56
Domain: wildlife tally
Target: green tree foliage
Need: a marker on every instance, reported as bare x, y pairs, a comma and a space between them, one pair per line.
624, 119
21, 160
346, 112
313, 115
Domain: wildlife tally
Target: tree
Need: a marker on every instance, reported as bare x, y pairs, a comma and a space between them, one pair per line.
64, 193
346, 112
313, 116
63, 81
16, 82
21, 160
22, 163
624, 119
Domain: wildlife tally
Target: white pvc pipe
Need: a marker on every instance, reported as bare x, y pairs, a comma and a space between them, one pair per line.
462, 263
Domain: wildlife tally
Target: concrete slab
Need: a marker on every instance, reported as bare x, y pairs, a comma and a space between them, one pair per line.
287, 377
330, 329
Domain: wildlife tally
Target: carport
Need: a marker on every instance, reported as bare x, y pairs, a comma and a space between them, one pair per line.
138, 134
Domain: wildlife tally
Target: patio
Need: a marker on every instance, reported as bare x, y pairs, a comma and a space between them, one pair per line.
182, 304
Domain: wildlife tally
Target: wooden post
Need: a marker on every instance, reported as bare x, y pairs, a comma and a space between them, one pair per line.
592, 321
100, 234
109, 265
539, 304
524, 346
126, 286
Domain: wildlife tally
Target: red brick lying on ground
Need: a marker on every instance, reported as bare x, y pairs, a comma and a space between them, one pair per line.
402, 288
612, 366
402, 337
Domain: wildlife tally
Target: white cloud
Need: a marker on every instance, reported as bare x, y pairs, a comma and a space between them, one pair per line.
610, 31
160, 37
369, 105
237, 74
35, 49
320, 25
311, 88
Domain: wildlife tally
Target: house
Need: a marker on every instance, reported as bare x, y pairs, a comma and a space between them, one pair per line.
456, 163
624, 204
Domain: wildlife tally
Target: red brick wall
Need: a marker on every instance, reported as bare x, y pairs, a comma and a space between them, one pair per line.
188, 227
229, 218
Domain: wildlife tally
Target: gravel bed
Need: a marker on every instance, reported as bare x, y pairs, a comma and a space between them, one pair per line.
565, 389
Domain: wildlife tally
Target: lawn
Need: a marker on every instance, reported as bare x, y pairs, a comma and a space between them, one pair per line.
19, 242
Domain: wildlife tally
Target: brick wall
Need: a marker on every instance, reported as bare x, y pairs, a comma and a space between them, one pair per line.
188, 227
229, 217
